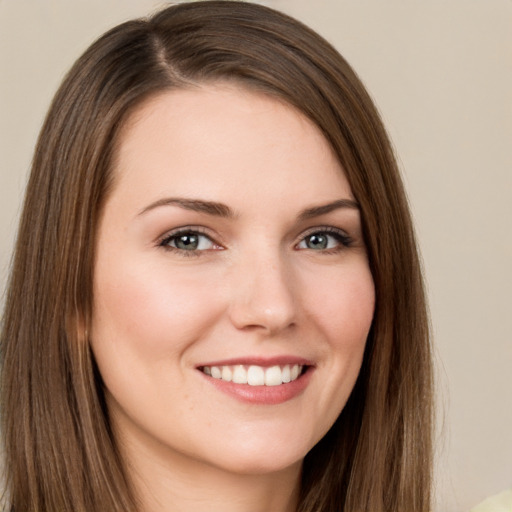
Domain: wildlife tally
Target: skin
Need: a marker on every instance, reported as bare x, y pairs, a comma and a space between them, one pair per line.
256, 286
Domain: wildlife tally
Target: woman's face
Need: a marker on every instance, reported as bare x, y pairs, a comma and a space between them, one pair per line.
232, 293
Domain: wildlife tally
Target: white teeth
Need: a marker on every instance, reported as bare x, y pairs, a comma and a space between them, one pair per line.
274, 376
239, 375
227, 374
255, 375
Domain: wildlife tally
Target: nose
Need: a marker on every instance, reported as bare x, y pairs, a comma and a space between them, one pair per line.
263, 296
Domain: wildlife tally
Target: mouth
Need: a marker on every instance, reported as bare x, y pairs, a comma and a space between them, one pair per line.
255, 375
260, 381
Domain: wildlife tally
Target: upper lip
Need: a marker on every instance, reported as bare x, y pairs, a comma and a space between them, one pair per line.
259, 361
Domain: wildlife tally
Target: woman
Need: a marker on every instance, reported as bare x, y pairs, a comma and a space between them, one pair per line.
216, 299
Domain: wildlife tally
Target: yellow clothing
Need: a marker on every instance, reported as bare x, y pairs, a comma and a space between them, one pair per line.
500, 503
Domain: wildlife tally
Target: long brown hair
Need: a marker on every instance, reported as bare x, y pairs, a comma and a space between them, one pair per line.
60, 452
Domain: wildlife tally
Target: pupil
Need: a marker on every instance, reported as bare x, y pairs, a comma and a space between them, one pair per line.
187, 242
317, 242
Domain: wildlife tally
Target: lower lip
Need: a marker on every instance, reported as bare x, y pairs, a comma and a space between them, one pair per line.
263, 395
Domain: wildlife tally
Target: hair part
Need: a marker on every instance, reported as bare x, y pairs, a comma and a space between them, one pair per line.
60, 451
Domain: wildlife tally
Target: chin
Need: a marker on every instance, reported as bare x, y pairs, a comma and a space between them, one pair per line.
263, 455
263, 464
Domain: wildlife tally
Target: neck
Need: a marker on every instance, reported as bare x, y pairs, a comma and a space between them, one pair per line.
174, 483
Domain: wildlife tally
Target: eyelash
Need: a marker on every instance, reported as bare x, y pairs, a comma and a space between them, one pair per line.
344, 241
192, 230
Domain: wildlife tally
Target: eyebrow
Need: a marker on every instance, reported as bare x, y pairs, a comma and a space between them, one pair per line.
222, 210
316, 211
196, 205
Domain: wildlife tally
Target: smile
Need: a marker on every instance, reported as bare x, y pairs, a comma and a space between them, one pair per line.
260, 381
254, 375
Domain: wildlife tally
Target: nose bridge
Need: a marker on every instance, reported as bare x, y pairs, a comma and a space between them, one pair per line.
262, 291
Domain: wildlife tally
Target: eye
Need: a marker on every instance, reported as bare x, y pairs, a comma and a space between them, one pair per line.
188, 241
325, 240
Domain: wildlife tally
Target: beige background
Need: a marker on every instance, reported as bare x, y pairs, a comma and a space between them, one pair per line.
441, 73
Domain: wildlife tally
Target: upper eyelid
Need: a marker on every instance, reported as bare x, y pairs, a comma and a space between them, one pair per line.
200, 230
314, 229
323, 229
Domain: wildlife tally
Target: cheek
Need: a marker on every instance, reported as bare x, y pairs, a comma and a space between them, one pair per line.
344, 307
150, 311
341, 308
343, 311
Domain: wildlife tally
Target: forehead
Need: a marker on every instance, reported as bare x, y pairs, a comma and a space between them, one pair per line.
222, 139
